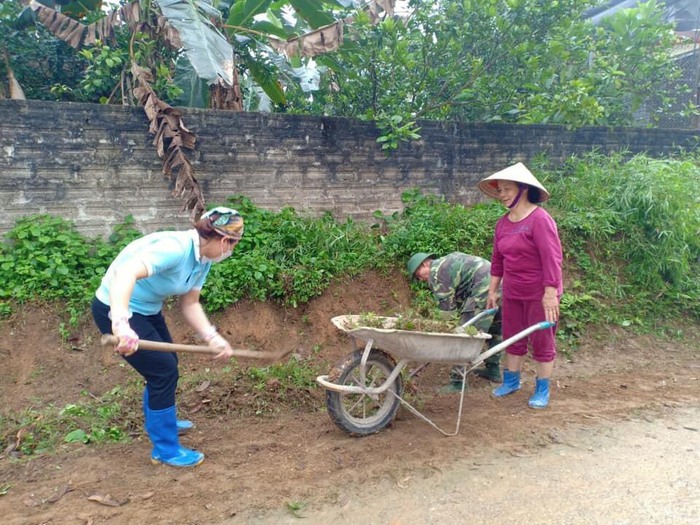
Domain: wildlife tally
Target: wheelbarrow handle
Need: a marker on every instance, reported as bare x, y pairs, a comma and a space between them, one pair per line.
517, 337
490, 311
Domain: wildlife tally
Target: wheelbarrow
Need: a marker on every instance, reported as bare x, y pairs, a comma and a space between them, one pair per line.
364, 391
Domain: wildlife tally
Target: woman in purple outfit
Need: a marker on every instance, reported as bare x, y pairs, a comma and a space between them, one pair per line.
527, 258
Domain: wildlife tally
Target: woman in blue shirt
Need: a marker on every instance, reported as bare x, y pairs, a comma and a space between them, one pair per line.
129, 304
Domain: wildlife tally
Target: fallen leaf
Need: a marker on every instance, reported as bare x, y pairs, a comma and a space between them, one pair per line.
12, 446
62, 491
203, 386
107, 500
402, 483
519, 453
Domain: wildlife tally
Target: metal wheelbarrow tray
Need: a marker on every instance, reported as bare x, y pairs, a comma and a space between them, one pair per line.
364, 391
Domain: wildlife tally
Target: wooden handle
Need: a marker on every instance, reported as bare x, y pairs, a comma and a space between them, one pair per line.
159, 346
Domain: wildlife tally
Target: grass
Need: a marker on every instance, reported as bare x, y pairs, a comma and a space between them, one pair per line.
40, 430
295, 507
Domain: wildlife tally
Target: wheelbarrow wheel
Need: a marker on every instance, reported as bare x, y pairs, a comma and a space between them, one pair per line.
361, 414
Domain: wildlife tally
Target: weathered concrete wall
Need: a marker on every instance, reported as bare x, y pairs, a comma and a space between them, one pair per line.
96, 164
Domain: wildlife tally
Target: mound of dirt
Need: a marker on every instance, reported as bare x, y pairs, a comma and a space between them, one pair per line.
292, 451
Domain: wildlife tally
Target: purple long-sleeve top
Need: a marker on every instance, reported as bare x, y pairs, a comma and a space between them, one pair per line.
528, 256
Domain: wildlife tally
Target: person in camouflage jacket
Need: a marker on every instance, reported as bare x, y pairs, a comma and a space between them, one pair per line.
460, 283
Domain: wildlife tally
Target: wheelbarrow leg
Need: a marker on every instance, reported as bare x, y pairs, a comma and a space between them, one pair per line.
423, 417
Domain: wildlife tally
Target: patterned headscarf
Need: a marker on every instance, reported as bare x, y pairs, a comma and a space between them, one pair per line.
225, 221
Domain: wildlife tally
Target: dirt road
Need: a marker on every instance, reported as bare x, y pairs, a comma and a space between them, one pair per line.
642, 471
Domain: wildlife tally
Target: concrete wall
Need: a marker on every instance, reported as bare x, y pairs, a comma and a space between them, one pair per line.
96, 164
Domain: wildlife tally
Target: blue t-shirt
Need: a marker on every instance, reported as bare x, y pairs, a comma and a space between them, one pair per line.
174, 268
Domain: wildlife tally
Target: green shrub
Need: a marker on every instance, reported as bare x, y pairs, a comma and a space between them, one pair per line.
429, 223
630, 230
288, 257
631, 226
45, 259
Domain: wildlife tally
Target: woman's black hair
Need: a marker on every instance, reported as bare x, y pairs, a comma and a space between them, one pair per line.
534, 195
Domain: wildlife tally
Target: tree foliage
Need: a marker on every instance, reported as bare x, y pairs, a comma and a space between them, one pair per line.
524, 61
37, 60
183, 36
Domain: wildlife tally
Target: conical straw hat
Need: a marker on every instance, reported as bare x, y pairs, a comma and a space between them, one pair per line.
516, 173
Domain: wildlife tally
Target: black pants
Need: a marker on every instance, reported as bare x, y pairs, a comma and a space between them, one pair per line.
159, 369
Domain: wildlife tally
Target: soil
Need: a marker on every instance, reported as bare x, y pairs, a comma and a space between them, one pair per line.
273, 455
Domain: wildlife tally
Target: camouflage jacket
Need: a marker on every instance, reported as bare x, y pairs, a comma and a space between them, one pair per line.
460, 282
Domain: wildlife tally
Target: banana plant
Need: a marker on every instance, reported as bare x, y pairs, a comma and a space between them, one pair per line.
263, 32
275, 39
181, 24
193, 21
16, 92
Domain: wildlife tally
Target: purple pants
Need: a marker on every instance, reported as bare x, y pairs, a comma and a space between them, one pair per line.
519, 315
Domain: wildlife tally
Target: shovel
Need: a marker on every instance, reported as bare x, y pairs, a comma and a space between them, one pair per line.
159, 346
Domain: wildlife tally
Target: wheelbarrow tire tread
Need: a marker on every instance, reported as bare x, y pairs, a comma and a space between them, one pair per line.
383, 411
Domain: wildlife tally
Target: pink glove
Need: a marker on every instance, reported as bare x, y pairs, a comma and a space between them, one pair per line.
128, 339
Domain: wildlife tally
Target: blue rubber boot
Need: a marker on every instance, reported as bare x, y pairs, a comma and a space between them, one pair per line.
183, 425
511, 383
161, 426
540, 398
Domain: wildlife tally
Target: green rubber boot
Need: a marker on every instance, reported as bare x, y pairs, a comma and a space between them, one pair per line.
452, 387
455, 384
491, 369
